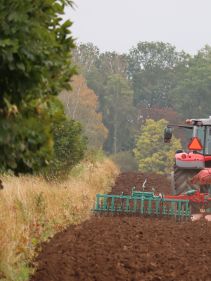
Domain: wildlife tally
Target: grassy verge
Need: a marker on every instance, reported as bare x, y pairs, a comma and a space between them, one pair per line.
32, 210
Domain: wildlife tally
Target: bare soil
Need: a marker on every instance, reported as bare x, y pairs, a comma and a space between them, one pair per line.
129, 248
127, 180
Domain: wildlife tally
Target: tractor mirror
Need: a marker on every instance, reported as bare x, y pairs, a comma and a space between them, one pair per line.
168, 134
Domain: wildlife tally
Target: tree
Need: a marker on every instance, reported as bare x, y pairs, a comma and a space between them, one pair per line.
156, 113
191, 96
152, 70
85, 57
169, 114
96, 67
106, 65
151, 153
35, 64
119, 114
82, 104
106, 75
33, 38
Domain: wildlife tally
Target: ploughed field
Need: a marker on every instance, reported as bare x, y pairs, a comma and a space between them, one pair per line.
107, 248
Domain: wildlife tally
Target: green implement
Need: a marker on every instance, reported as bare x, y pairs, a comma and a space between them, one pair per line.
143, 203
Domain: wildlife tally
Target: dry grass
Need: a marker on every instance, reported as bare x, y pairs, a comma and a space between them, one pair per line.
31, 210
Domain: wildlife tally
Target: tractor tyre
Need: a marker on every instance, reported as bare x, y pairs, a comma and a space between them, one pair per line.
180, 180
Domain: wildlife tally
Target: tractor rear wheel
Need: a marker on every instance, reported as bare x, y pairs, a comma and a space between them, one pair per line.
180, 180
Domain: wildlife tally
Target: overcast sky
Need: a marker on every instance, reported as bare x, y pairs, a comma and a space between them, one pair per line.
117, 25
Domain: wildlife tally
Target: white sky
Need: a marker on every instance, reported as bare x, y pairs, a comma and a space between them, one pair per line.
117, 25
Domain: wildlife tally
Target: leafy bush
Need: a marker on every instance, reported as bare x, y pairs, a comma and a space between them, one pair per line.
69, 148
151, 152
25, 144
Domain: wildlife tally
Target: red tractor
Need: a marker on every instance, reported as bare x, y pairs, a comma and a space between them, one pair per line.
192, 169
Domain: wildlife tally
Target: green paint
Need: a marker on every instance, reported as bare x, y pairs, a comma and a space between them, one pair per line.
143, 203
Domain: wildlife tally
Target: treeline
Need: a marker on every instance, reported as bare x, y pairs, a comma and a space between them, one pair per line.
51, 110
153, 80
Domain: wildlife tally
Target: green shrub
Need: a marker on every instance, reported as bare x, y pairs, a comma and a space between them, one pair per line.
69, 148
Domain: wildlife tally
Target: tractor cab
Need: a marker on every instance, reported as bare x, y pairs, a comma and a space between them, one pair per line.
201, 135
192, 168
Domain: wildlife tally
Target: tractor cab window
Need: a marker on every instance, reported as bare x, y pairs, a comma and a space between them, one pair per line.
200, 135
204, 134
208, 141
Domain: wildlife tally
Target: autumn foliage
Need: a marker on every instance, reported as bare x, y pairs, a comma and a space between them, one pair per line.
82, 104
